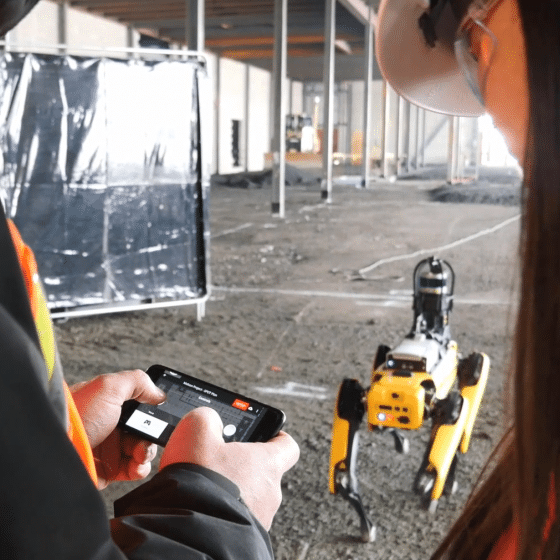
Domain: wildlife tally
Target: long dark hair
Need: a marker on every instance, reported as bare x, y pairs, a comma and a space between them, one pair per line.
523, 488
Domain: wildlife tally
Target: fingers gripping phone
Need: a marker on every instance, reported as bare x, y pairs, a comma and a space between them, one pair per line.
244, 419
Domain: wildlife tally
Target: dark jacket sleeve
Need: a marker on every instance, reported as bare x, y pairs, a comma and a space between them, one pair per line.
49, 507
188, 512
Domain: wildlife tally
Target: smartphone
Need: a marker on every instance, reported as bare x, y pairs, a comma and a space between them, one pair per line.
244, 419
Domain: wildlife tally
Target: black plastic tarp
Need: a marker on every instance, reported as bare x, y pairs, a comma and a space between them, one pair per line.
101, 173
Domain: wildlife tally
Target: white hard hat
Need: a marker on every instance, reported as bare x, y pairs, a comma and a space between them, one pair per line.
426, 75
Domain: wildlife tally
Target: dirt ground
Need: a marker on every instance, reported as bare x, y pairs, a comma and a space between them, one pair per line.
290, 316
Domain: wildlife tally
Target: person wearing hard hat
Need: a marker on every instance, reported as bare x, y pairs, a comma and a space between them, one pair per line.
60, 445
461, 57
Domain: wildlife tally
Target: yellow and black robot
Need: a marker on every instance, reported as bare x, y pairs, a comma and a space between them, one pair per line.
422, 377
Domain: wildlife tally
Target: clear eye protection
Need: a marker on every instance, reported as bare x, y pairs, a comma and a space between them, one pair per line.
475, 61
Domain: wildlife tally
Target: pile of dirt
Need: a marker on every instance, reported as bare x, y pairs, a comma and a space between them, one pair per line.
479, 192
258, 179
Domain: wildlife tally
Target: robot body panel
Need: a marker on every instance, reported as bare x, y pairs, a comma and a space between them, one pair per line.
395, 401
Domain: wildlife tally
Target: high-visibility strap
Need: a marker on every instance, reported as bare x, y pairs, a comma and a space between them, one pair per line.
78, 436
43, 326
36, 296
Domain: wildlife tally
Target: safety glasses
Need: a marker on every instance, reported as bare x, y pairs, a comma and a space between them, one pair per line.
475, 66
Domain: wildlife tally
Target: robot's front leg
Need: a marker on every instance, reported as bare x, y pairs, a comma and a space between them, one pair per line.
348, 414
453, 423
437, 471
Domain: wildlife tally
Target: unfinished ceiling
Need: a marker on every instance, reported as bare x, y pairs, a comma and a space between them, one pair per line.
244, 30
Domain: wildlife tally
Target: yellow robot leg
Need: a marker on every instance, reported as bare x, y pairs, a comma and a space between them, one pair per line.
473, 375
348, 414
437, 472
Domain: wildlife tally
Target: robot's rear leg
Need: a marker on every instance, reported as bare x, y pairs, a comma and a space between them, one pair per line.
402, 444
348, 414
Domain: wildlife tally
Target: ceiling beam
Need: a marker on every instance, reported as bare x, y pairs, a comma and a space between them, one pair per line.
360, 10
266, 40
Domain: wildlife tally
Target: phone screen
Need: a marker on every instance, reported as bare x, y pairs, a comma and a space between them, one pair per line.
244, 419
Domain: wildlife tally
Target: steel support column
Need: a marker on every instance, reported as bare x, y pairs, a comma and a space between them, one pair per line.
406, 134
279, 69
385, 118
417, 136
247, 105
452, 150
62, 25
398, 151
194, 25
423, 141
328, 101
368, 76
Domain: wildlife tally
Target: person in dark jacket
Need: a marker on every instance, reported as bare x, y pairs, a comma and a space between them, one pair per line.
60, 445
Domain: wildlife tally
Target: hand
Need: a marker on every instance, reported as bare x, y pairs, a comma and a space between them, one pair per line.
117, 455
256, 468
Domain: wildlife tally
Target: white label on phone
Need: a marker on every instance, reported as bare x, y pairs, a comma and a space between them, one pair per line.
146, 423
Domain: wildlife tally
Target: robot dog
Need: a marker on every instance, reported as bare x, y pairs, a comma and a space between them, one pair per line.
422, 377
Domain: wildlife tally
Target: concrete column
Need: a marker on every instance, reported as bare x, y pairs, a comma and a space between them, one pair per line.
368, 76
194, 25
279, 69
328, 101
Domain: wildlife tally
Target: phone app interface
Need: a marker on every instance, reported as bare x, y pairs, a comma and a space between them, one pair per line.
239, 415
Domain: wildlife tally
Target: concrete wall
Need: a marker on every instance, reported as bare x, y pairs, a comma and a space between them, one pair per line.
258, 125
85, 29
40, 29
231, 107
296, 98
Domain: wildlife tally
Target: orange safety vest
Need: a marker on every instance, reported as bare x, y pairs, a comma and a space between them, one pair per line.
43, 323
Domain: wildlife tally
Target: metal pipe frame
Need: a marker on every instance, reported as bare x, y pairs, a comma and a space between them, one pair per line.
30, 48
127, 306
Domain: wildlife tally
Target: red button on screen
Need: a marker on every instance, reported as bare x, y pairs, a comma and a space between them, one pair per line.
241, 405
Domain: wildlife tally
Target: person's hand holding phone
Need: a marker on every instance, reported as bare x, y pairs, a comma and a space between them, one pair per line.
117, 455
256, 468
